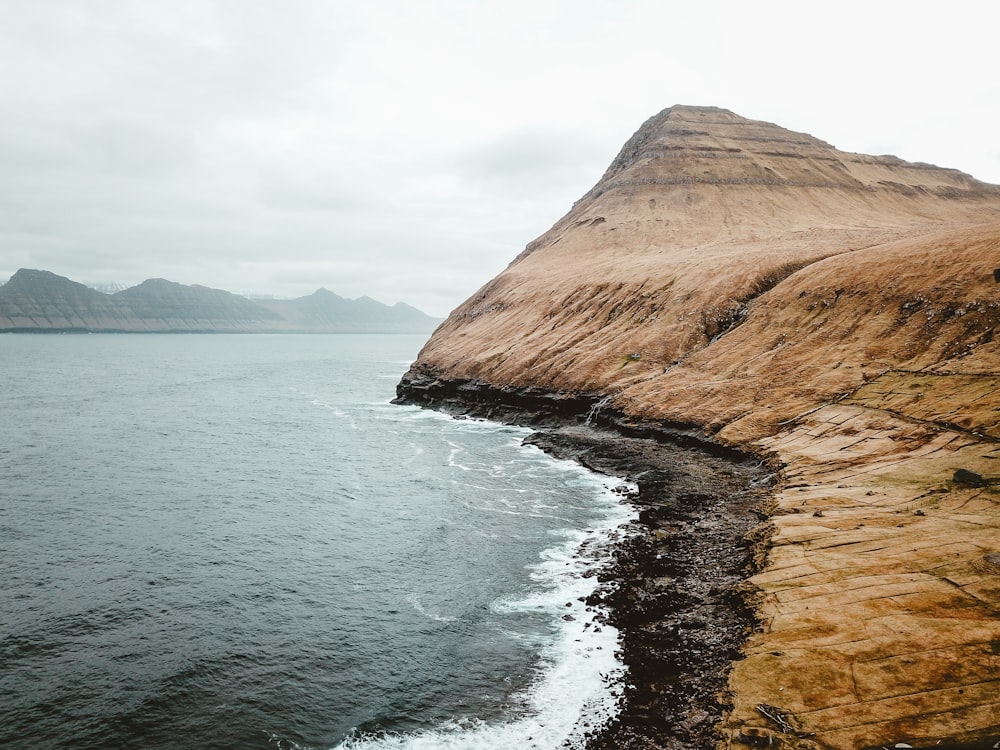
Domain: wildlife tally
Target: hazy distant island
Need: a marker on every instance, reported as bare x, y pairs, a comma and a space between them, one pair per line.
41, 301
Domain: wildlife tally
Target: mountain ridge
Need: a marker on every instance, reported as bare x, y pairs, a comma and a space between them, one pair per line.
35, 300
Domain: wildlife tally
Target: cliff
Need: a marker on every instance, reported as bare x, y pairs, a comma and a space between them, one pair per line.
42, 301
832, 312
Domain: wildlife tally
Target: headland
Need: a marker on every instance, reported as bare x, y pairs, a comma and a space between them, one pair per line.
740, 290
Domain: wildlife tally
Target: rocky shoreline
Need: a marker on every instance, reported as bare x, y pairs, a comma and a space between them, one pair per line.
678, 590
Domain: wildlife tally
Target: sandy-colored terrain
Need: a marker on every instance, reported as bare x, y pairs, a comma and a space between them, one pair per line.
835, 312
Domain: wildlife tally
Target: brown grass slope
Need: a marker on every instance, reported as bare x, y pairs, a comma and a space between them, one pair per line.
836, 311
701, 213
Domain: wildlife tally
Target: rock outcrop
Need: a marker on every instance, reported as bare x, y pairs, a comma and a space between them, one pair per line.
832, 312
42, 301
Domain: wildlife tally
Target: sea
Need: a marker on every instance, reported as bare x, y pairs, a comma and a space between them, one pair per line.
237, 541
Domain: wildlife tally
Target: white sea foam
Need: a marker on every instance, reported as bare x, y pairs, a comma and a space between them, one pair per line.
578, 683
415, 602
453, 453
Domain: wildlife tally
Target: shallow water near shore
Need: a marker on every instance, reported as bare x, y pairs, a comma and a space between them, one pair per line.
237, 541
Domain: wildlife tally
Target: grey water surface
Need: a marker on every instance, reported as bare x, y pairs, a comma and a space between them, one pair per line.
236, 541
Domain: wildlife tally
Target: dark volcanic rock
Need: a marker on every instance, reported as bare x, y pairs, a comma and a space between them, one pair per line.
676, 590
970, 478
540, 407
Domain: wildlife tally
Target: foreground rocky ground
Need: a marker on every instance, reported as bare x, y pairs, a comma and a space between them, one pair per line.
845, 597
881, 596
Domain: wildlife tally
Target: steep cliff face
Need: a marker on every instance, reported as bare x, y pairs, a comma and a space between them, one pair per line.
717, 260
42, 301
833, 312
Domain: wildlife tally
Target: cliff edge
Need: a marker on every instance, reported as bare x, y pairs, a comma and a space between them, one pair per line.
758, 289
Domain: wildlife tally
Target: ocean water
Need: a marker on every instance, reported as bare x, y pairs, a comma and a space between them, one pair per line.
215, 541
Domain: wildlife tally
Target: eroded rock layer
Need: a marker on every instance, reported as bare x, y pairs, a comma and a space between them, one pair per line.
759, 289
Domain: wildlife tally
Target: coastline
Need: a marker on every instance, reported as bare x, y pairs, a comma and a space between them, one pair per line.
845, 332
874, 620
678, 591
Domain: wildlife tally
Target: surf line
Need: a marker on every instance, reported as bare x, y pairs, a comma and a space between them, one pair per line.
676, 591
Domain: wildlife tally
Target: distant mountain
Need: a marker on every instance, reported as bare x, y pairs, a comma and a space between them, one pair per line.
326, 310
42, 301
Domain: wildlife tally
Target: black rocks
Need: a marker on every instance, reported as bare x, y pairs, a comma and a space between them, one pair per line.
968, 478
675, 590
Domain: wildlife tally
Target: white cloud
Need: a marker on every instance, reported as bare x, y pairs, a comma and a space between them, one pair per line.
408, 150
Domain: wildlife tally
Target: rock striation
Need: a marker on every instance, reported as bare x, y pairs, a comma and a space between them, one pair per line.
732, 282
35, 300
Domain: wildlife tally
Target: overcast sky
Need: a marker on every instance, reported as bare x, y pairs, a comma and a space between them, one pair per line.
409, 150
